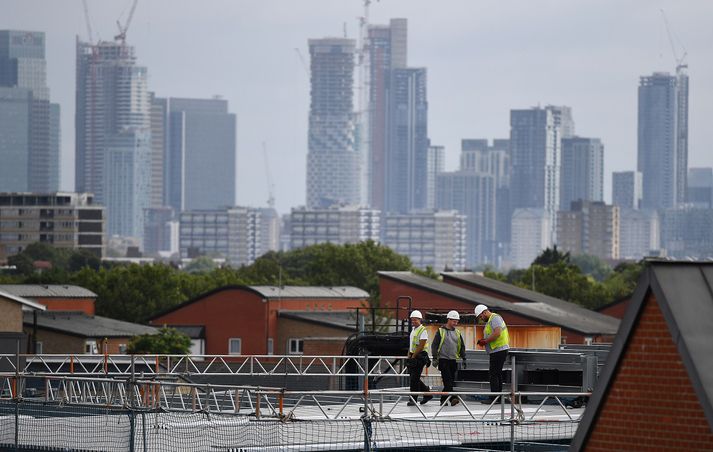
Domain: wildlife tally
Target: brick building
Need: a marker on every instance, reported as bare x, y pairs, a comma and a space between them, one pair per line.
11, 309
525, 316
656, 390
55, 296
244, 320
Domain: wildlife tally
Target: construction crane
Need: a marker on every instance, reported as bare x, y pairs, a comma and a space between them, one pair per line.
679, 61
90, 35
270, 185
302, 61
123, 29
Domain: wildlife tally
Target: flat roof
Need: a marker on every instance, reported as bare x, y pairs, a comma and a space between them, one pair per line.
562, 313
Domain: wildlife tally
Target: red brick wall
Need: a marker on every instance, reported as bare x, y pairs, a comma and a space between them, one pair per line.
651, 404
423, 299
295, 329
617, 310
85, 305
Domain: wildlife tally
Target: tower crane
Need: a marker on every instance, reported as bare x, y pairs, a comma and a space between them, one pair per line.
123, 29
90, 35
270, 185
679, 61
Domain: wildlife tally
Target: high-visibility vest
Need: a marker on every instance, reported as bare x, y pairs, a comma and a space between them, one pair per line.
442, 332
416, 339
503, 339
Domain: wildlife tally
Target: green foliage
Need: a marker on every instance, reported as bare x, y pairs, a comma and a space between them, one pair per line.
551, 256
167, 341
592, 266
202, 264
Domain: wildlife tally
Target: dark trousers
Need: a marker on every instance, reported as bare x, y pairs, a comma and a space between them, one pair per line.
448, 369
497, 360
414, 371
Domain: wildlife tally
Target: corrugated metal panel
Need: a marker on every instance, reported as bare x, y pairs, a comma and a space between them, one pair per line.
47, 291
310, 292
76, 323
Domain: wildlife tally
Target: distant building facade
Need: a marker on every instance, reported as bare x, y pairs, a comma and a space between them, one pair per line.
687, 233
63, 220
589, 228
627, 189
435, 239
338, 225
639, 233
435, 165
582, 173
333, 162
700, 188
530, 235
29, 122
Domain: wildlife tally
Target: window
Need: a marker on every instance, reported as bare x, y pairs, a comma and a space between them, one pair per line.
296, 346
270, 346
122, 349
234, 346
38, 348
91, 347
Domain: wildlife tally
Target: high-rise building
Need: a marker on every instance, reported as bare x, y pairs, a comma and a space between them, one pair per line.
589, 228
663, 139
639, 233
531, 234
582, 172
700, 188
200, 161
386, 50
429, 238
63, 220
234, 233
407, 151
535, 149
160, 231
627, 188
338, 225
159, 150
687, 233
333, 162
113, 136
29, 122
435, 165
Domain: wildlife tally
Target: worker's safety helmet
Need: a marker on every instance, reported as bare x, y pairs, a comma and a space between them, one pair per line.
453, 315
416, 314
480, 309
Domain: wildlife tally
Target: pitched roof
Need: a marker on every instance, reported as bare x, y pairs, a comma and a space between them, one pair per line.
684, 293
311, 292
26, 304
47, 291
80, 324
554, 312
344, 320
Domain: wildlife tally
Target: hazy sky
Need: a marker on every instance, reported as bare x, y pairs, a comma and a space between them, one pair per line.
483, 58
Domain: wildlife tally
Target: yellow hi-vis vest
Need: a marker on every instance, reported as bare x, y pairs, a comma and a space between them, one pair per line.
416, 339
443, 338
503, 339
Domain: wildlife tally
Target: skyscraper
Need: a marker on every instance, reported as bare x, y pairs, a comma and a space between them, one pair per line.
333, 163
201, 154
700, 187
436, 163
590, 227
113, 138
407, 151
627, 189
29, 123
387, 50
663, 138
582, 171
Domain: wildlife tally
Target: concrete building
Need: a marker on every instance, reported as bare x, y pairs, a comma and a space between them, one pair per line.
338, 225
435, 239
64, 220
161, 231
387, 50
200, 140
535, 148
234, 233
687, 232
582, 172
113, 136
627, 189
700, 188
639, 233
29, 122
333, 162
159, 150
530, 235
589, 228
435, 165
407, 152
663, 139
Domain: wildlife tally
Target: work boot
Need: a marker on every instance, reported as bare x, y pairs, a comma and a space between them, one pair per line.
411, 402
455, 401
426, 398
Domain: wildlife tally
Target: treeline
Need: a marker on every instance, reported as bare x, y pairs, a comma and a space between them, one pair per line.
135, 292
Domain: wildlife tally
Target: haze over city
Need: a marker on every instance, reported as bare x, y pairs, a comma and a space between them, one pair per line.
483, 59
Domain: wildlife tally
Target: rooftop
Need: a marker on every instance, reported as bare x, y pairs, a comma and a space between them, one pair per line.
83, 325
47, 291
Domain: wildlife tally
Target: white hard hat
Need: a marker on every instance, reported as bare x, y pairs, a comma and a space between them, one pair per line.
453, 315
479, 309
416, 314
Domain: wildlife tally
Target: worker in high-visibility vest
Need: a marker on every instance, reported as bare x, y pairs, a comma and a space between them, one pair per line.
496, 341
417, 358
448, 347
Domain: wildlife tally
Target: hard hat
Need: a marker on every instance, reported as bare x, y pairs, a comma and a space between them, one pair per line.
479, 309
453, 315
416, 314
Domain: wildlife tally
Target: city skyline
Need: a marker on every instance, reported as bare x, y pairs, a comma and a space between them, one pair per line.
464, 99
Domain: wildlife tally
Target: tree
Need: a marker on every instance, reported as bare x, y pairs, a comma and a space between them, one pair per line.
202, 264
168, 341
551, 256
592, 265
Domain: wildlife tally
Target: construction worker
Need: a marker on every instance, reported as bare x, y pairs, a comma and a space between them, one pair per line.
448, 347
496, 341
417, 358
